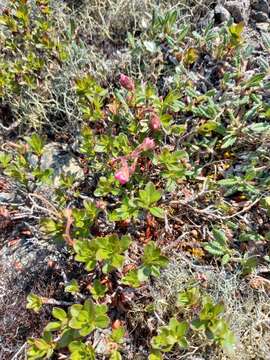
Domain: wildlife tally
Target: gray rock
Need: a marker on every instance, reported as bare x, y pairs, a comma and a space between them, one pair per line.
263, 26
222, 14
24, 268
61, 161
259, 16
239, 9
100, 342
207, 19
3, 4
6, 197
9, 192
260, 5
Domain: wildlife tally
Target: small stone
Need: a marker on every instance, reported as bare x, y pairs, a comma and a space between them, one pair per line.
61, 161
263, 26
259, 16
207, 19
3, 4
261, 5
239, 9
7, 197
100, 342
221, 14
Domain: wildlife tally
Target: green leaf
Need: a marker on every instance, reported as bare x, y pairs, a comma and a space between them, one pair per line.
125, 242
155, 355
127, 210
101, 318
36, 144
184, 30
249, 264
236, 31
131, 279
53, 326
229, 142
88, 317
215, 248
255, 80
198, 324
169, 335
91, 209
150, 46
210, 311
229, 342
152, 256
44, 176
34, 302
190, 297
190, 56
59, 314
81, 351
250, 236
40, 348
178, 329
250, 115
220, 236
5, 159
98, 290
229, 182
259, 127
144, 272
225, 259
222, 335
53, 228
67, 336
72, 287
208, 127
157, 212
86, 253
118, 335
149, 195
115, 355
110, 249
151, 267
218, 247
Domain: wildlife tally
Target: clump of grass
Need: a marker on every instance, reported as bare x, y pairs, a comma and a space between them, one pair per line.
246, 310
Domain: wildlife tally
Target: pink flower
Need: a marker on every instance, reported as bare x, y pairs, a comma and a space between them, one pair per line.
155, 123
125, 172
127, 83
148, 144
122, 175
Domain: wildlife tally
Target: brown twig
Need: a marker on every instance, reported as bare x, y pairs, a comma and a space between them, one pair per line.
53, 211
67, 236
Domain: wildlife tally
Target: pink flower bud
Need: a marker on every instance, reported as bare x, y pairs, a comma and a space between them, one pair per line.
155, 123
127, 83
148, 144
